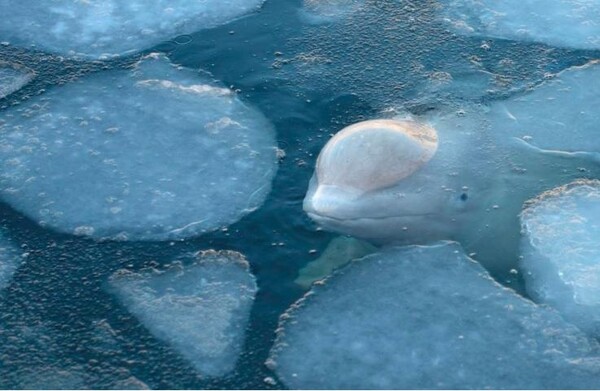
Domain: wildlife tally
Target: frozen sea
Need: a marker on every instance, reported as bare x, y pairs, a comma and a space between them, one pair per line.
293, 72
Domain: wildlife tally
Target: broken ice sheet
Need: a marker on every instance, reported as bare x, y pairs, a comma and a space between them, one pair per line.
558, 117
563, 23
425, 317
200, 309
561, 251
13, 77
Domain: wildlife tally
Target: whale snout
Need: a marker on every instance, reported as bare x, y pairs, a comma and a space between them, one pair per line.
370, 216
326, 202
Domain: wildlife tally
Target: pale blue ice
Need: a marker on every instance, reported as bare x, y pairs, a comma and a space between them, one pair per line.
562, 23
13, 77
200, 307
152, 153
105, 28
560, 251
426, 317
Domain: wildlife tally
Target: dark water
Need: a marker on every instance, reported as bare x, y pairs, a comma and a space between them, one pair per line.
59, 292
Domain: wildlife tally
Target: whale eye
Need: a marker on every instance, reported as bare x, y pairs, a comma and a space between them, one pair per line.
464, 197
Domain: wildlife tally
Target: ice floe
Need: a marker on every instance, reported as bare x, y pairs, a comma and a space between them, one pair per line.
558, 117
200, 309
104, 28
564, 23
13, 77
426, 317
561, 251
153, 153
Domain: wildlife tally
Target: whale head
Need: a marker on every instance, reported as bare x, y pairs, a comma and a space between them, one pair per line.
391, 181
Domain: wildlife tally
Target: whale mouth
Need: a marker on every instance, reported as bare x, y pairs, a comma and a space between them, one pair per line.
322, 218
329, 205
399, 229
362, 218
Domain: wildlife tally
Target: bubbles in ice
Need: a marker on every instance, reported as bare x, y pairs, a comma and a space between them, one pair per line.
425, 317
561, 251
564, 23
13, 77
200, 309
153, 153
101, 28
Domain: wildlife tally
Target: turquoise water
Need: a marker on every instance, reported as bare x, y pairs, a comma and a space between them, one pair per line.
60, 290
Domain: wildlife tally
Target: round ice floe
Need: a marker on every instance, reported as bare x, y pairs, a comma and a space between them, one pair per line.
424, 317
200, 309
10, 260
561, 251
13, 77
391, 151
153, 153
100, 28
566, 23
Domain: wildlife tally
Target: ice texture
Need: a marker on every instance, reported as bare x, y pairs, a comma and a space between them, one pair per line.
153, 153
104, 28
10, 260
559, 117
563, 23
200, 309
13, 77
426, 317
560, 251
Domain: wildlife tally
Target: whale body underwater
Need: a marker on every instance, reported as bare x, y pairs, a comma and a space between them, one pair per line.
461, 173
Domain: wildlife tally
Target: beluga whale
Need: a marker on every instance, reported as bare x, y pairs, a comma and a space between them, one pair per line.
460, 173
